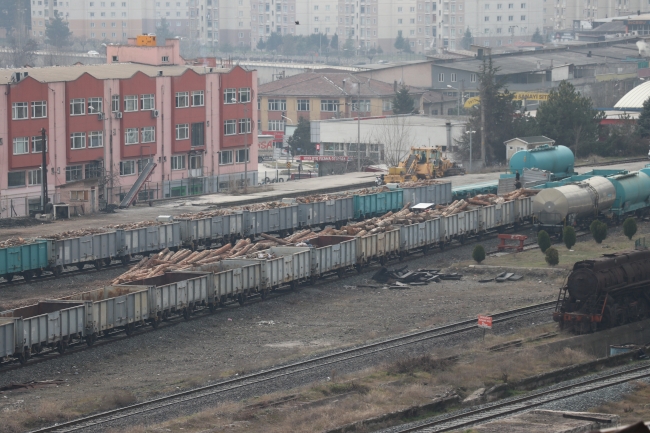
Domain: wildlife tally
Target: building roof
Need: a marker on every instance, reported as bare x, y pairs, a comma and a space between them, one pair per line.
53, 74
607, 27
535, 139
436, 97
328, 83
635, 98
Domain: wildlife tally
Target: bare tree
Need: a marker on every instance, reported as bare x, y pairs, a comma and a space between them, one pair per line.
395, 137
21, 52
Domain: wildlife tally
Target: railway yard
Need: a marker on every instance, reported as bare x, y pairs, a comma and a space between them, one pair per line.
333, 348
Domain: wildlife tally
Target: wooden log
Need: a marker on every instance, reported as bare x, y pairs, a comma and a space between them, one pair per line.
274, 239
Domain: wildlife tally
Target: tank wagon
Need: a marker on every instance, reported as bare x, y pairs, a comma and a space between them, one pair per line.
608, 291
610, 198
557, 160
84, 317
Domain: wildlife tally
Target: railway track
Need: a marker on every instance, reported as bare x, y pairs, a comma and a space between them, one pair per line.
526, 402
250, 380
623, 161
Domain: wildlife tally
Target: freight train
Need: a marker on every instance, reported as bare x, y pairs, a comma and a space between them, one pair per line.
609, 198
605, 292
55, 324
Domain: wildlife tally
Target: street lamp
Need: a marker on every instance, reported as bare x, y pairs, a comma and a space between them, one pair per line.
458, 101
471, 133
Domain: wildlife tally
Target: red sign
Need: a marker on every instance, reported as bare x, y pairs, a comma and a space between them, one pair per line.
323, 158
485, 322
317, 146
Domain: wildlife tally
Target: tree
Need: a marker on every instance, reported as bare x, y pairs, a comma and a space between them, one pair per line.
629, 227
552, 257
21, 53
334, 43
479, 253
537, 37
399, 41
300, 141
543, 240
403, 102
467, 40
395, 137
569, 237
643, 124
371, 53
598, 230
57, 32
348, 47
163, 32
260, 44
569, 118
274, 42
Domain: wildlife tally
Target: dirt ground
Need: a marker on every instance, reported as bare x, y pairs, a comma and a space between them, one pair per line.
335, 313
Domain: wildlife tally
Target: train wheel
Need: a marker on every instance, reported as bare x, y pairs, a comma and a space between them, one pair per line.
90, 339
425, 250
462, 239
37, 348
340, 272
165, 316
57, 271
241, 298
359, 267
442, 246
155, 323
212, 307
264, 294
9, 277
125, 260
61, 347
128, 329
38, 272
80, 266
27, 275
99, 263
107, 261
293, 285
222, 301
24, 357
186, 314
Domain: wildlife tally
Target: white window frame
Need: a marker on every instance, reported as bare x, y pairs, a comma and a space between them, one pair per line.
183, 131
95, 139
42, 105
244, 95
239, 160
130, 164
37, 138
34, 177
115, 103
148, 134
452, 77
131, 136
441, 77
147, 102
198, 98
228, 96
97, 104
130, 103
182, 99
178, 162
77, 106
69, 170
222, 157
303, 105
277, 104
276, 125
21, 145
18, 108
230, 127
244, 126
334, 103
77, 140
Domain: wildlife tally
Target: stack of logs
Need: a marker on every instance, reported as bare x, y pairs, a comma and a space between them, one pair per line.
75, 234
263, 206
205, 214
490, 199
131, 226
12, 242
421, 182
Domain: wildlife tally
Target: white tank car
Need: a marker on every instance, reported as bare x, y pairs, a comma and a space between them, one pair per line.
578, 200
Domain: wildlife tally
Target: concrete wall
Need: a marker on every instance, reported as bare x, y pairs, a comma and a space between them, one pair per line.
417, 74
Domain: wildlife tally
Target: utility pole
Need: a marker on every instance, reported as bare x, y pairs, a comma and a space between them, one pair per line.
358, 125
482, 93
43, 171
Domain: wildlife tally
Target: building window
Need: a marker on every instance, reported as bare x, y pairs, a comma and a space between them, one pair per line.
165, 59
37, 144
303, 104
19, 110
182, 131
72, 173
39, 109
362, 105
34, 177
244, 126
229, 127
441, 77
198, 134
131, 103
115, 103
131, 136
523, 17
21, 145
142, 163
329, 105
197, 98
277, 104
182, 99
95, 105
147, 102
79, 195
16, 178
148, 134
276, 125
78, 140
77, 106
229, 96
242, 156
452, 77
94, 170
178, 162
225, 157
244, 95
127, 168
472, 78
387, 105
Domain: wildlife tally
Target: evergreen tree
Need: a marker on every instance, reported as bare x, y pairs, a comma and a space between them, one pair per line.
537, 37
260, 44
643, 124
552, 257
300, 141
629, 227
569, 237
334, 43
543, 240
348, 48
274, 42
569, 118
479, 253
467, 40
163, 32
57, 32
403, 102
400, 42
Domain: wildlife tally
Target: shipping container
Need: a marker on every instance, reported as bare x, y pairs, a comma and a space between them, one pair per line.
24, 259
277, 220
370, 205
332, 254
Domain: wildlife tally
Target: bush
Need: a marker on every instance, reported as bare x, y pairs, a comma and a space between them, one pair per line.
569, 236
543, 240
479, 253
552, 257
629, 227
598, 230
